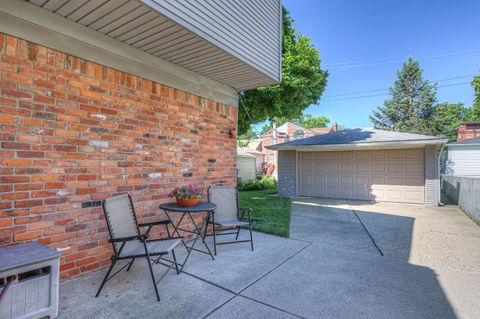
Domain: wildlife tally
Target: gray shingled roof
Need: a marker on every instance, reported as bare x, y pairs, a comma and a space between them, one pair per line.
358, 136
475, 140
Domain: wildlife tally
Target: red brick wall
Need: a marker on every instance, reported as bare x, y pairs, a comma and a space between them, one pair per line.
74, 132
468, 130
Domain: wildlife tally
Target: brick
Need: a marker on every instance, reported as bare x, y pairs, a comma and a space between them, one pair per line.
14, 179
39, 226
7, 119
16, 162
31, 154
5, 223
14, 196
16, 146
29, 203
27, 236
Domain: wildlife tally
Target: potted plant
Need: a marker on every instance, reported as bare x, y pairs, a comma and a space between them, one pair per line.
186, 196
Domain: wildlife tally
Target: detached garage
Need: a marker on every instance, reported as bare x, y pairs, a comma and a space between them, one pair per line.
361, 164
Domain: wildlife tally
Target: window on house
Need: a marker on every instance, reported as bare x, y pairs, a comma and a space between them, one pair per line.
271, 158
298, 134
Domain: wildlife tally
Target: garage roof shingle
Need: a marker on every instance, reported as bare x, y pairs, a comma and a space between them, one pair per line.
358, 136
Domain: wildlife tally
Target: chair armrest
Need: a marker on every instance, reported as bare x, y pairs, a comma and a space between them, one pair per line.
160, 222
246, 210
122, 239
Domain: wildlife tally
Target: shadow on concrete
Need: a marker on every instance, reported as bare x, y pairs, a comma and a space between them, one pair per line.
362, 282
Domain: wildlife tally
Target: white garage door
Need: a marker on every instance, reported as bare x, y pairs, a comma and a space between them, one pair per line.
380, 175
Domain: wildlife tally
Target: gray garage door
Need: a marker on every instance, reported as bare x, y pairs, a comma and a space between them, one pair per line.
380, 175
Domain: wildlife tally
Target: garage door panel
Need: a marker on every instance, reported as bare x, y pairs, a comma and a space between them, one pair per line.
347, 192
347, 180
333, 192
377, 167
381, 175
414, 168
346, 167
333, 179
362, 167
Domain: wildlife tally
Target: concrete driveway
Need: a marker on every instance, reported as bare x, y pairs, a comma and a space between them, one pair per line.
343, 260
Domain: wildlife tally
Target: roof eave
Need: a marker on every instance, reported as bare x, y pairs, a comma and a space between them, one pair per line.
359, 145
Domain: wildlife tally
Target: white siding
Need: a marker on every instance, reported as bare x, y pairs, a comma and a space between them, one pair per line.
249, 30
246, 166
463, 160
432, 181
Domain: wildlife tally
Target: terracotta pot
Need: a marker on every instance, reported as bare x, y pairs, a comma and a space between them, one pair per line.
187, 202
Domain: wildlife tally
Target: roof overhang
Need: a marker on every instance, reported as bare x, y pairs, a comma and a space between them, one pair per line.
137, 37
359, 146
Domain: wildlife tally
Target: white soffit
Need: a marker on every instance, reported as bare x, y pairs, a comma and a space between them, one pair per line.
144, 28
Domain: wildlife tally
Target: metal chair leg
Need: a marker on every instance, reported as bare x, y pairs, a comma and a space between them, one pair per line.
114, 260
131, 263
251, 236
238, 232
175, 262
153, 277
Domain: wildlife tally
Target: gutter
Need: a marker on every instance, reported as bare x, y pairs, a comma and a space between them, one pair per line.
358, 145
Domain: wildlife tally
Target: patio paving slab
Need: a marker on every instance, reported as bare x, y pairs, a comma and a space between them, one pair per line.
240, 308
236, 267
331, 231
442, 238
323, 282
131, 295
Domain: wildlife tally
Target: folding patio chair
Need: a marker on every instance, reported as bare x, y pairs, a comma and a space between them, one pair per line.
228, 214
129, 243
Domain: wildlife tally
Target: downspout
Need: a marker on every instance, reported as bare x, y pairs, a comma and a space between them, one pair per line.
439, 191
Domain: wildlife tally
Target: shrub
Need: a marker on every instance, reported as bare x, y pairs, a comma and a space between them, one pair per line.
264, 183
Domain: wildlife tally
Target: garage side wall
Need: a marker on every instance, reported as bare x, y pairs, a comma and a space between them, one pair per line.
432, 179
287, 173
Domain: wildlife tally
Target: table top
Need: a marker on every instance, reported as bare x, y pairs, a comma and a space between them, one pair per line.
25, 254
199, 208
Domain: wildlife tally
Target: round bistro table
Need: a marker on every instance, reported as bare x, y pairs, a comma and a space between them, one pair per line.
188, 213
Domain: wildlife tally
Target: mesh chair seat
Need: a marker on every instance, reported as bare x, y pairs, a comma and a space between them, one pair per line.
125, 235
227, 214
155, 247
231, 222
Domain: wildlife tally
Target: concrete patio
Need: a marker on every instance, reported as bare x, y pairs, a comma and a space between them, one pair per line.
343, 260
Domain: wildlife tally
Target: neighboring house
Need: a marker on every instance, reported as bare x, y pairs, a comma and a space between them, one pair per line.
284, 133
249, 163
468, 130
363, 164
463, 158
106, 97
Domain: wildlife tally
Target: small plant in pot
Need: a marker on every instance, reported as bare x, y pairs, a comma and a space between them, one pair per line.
187, 196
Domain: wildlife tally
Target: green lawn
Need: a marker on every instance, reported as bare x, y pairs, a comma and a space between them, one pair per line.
272, 211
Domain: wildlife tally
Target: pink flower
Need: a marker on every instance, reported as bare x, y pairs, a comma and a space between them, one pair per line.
170, 195
190, 186
187, 193
176, 188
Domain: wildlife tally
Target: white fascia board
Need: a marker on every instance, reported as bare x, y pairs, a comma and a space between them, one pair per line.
34, 24
358, 146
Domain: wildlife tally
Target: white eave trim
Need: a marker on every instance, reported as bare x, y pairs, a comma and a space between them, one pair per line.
462, 145
383, 145
34, 24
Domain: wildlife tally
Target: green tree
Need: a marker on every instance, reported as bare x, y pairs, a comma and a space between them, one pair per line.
446, 118
308, 121
303, 82
410, 107
248, 135
474, 111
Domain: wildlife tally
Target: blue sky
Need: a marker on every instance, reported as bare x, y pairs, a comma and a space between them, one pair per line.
362, 44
